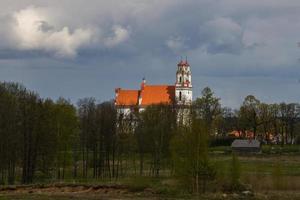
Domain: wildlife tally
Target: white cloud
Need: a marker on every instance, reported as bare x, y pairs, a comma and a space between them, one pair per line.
120, 35
36, 28
33, 32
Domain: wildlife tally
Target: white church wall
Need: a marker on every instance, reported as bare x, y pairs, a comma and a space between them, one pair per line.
186, 95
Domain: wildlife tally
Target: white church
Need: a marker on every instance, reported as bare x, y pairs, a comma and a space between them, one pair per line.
178, 94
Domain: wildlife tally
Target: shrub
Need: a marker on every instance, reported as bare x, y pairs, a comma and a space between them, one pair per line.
297, 140
138, 183
223, 141
41, 177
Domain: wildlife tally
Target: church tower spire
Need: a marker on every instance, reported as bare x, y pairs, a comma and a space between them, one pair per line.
183, 85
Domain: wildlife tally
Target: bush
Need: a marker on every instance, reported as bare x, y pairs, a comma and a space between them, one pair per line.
41, 177
138, 183
297, 140
278, 149
223, 141
221, 149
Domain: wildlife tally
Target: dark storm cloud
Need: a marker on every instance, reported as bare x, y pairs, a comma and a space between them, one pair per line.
249, 46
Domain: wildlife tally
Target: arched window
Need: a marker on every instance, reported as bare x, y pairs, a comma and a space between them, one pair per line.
180, 79
179, 96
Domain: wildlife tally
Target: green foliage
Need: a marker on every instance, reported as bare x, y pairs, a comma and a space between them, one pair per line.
161, 186
139, 183
32, 131
249, 114
156, 128
42, 177
297, 140
207, 107
98, 140
221, 141
220, 150
190, 154
276, 149
44, 140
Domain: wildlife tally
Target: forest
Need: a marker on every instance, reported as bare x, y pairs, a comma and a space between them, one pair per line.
42, 140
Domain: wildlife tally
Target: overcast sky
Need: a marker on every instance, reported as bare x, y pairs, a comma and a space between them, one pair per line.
80, 48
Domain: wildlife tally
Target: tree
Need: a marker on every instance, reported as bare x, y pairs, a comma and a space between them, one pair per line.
249, 114
87, 116
227, 121
30, 105
30, 131
66, 126
190, 154
289, 116
265, 118
158, 124
9, 133
275, 122
125, 143
107, 124
207, 107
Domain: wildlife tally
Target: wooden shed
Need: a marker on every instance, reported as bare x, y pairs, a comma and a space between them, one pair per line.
246, 146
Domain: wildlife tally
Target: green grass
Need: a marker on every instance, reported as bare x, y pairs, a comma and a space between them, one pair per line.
256, 170
277, 149
265, 149
262, 164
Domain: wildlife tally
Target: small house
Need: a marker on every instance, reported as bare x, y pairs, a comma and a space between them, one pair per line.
246, 146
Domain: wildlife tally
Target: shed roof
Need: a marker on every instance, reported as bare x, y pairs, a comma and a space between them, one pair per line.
238, 143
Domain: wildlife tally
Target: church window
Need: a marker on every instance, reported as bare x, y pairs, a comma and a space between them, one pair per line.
179, 96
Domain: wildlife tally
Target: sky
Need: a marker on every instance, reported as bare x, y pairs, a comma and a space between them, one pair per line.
79, 48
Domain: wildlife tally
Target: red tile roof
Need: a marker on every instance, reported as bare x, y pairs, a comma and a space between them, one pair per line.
183, 63
150, 94
155, 94
246, 134
126, 97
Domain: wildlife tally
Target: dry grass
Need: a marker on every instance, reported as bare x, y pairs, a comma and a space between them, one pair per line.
266, 183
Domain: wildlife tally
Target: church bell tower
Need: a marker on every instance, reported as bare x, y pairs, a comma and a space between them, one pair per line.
183, 85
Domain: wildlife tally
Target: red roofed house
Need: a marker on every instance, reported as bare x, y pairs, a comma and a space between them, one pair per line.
180, 93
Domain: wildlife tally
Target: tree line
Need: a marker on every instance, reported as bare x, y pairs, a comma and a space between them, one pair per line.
44, 140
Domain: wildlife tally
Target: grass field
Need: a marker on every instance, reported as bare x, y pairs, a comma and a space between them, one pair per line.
260, 171
269, 175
